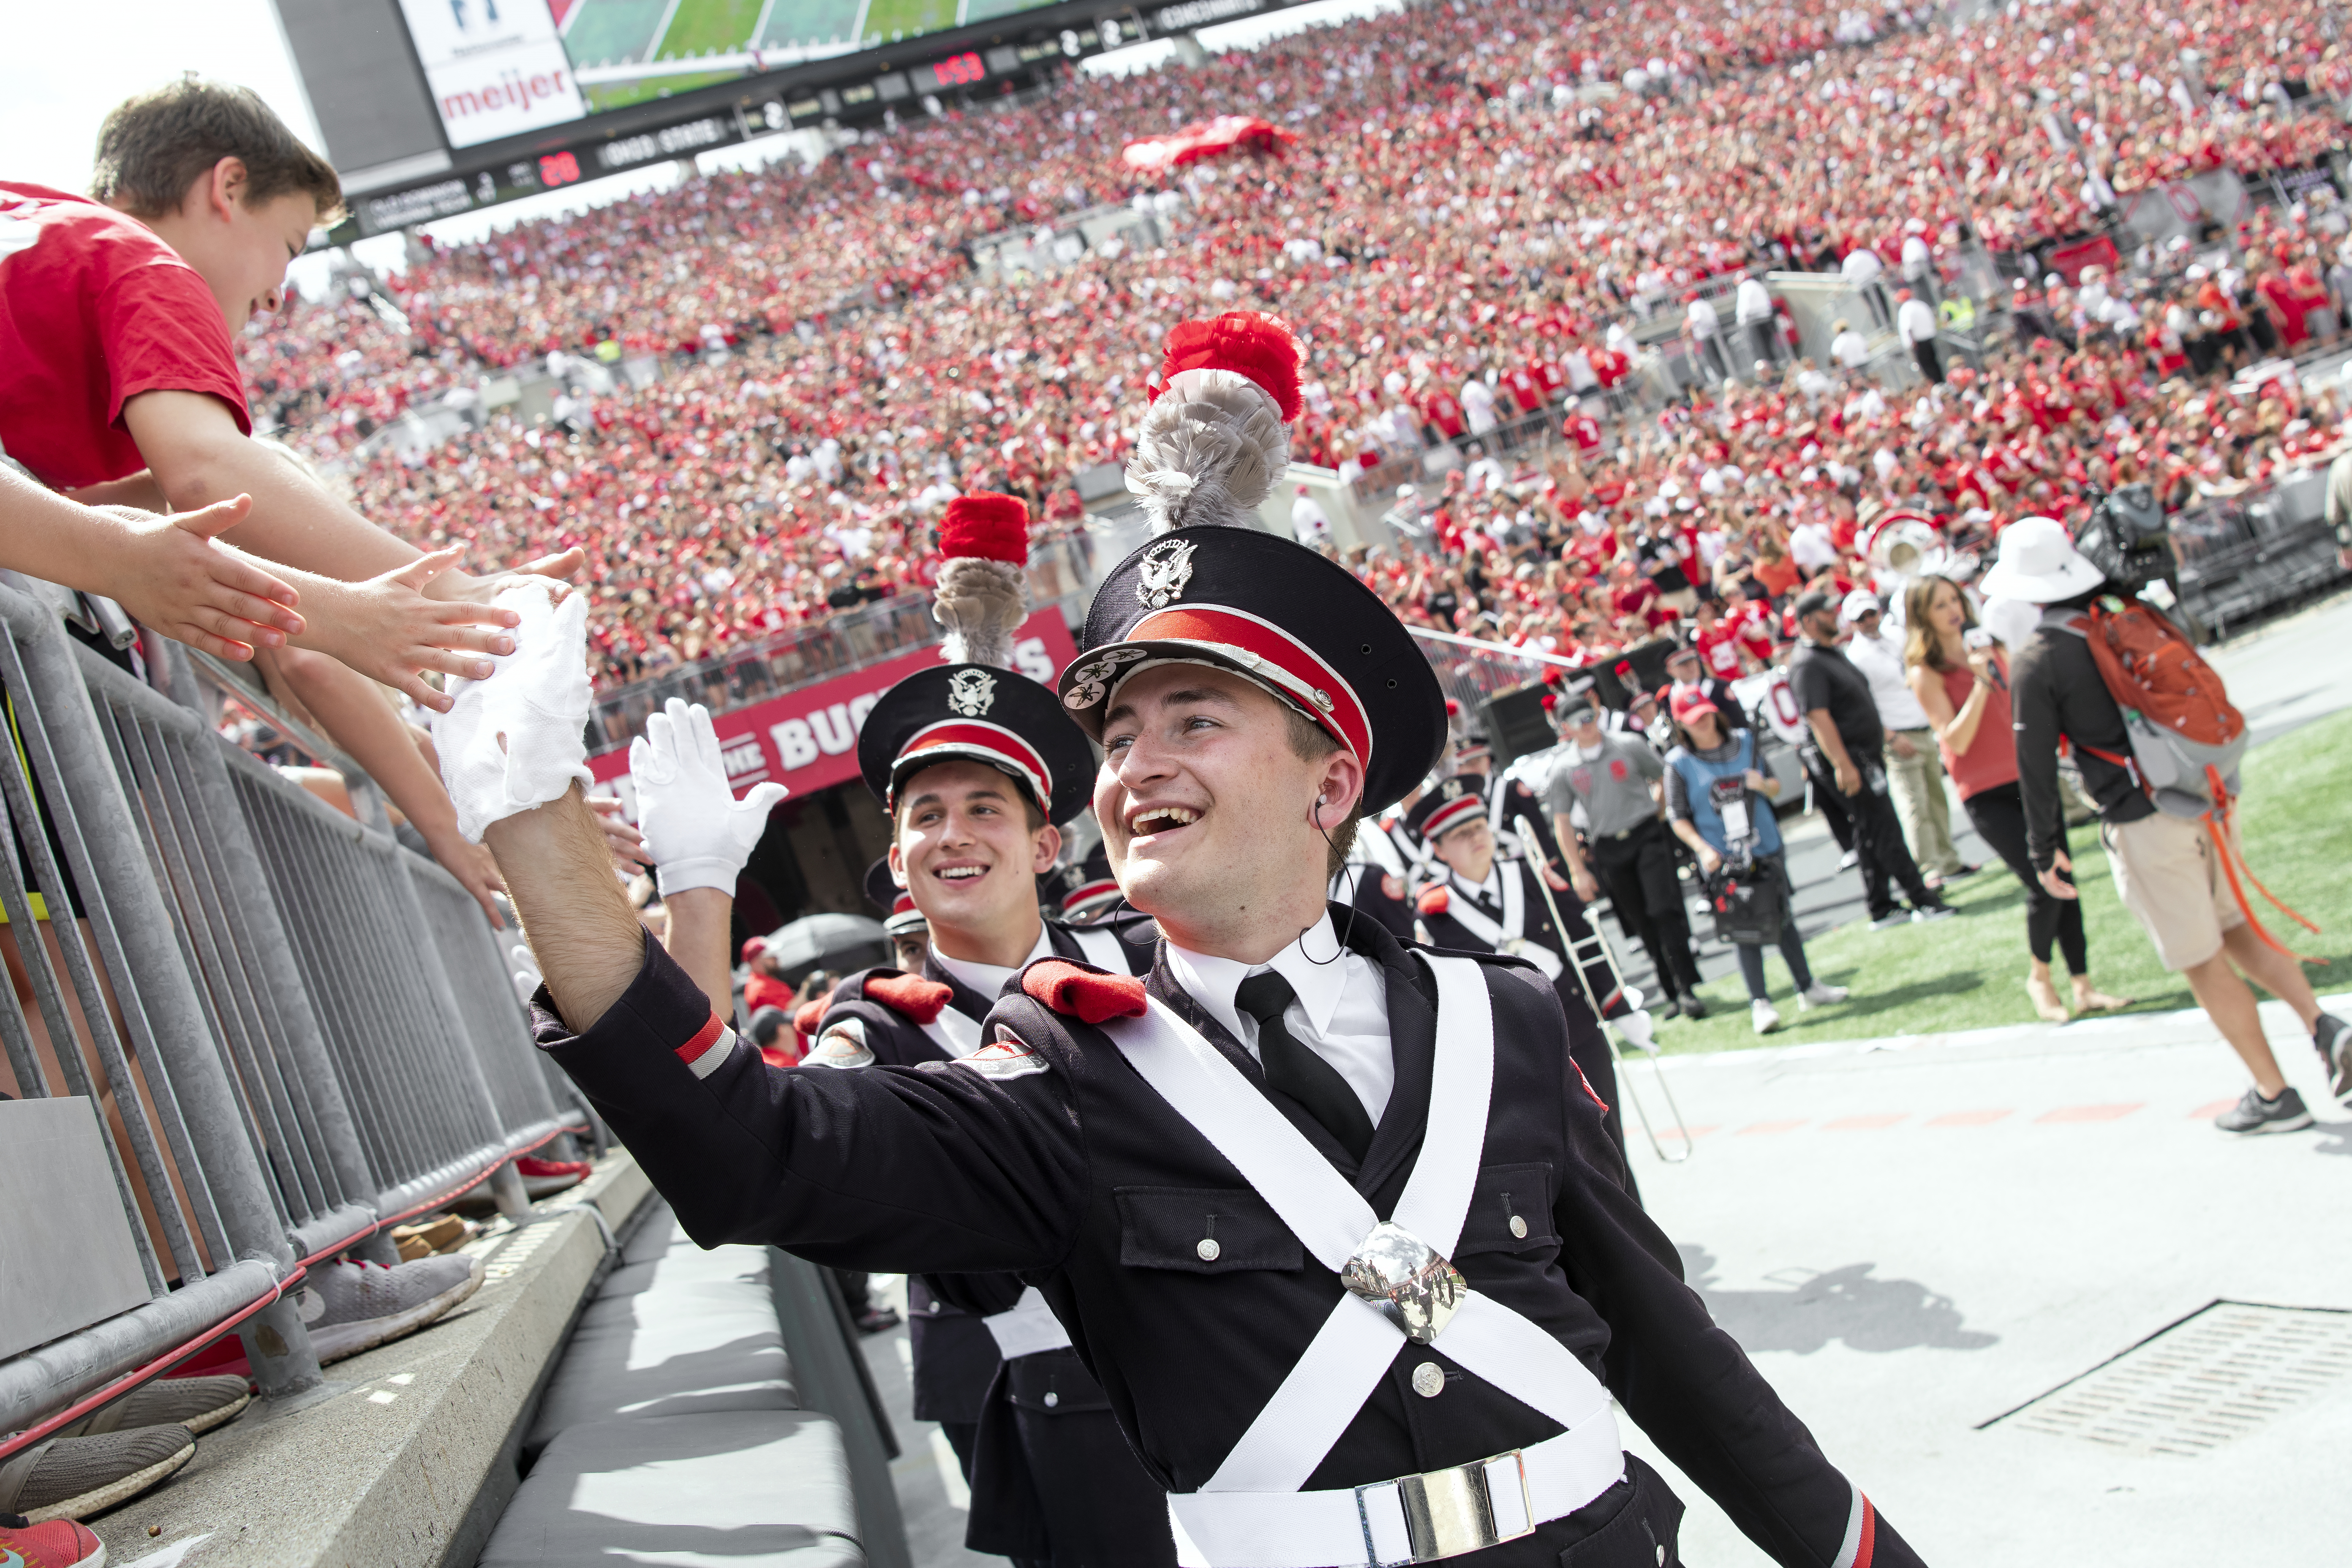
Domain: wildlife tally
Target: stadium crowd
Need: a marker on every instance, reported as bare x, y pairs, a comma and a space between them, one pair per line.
1462, 233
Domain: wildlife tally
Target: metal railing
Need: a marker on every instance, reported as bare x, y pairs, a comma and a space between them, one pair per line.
1060, 569
304, 1032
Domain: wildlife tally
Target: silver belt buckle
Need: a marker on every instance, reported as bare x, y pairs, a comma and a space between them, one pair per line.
1449, 1512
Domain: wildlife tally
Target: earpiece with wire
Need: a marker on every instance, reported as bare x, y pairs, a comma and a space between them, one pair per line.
1315, 817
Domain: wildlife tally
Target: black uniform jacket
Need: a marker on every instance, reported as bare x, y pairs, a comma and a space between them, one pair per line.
953, 1354
1048, 1156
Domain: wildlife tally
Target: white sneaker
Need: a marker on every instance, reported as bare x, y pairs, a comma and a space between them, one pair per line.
1765, 1016
1820, 994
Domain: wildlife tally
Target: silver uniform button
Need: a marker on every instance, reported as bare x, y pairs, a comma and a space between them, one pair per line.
1208, 1249
1518, 1227
1661, 1557
1052, 1400
1429, 1380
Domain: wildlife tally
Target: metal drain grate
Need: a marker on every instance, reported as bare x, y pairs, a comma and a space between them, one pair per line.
2217, 1373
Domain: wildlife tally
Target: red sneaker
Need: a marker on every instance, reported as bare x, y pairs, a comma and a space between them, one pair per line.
60, 1544
543, 1177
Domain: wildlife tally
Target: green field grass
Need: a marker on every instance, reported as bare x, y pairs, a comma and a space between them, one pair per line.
702, 25
883, 17
810, 21
1969, 972
615, 95
610, 31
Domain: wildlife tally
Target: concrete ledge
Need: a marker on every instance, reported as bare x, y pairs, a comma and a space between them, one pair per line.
406, 1457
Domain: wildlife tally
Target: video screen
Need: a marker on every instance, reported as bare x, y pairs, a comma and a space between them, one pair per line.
499, 68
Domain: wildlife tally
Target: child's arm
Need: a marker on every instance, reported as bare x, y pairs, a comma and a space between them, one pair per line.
166, 571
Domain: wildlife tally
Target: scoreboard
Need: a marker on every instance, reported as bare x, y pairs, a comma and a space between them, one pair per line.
435, 107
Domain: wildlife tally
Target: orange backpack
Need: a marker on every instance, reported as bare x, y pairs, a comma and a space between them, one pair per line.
2187, 740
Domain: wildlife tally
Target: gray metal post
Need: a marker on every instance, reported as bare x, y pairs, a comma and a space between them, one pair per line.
278, 1348
297, 1020
509, 1192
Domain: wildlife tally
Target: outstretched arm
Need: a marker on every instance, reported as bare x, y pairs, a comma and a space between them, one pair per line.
559, 872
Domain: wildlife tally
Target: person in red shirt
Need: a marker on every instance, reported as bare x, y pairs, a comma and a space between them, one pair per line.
1717, 640
765, 986
1444, 411
116, 319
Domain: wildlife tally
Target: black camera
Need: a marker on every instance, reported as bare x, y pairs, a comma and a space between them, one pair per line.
2126, 538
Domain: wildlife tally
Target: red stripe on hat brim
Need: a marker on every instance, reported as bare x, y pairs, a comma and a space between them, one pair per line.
971, 737
1261, 643
1451, 815
1103, 889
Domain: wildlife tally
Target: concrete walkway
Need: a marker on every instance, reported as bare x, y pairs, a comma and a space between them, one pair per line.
1915, 1236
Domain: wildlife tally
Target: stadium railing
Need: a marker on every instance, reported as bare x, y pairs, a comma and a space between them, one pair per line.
291, 1032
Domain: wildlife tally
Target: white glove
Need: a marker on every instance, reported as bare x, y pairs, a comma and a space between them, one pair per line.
698, 834
517, 738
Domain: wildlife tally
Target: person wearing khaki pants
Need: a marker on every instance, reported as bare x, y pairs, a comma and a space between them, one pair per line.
1915, 776
1915, 770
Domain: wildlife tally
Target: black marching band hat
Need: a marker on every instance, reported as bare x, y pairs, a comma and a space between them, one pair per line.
1213, 589
899, 915
1458, 800
1085, 888
976, 707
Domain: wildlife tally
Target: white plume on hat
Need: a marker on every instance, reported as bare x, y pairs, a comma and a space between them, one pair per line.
1217, 438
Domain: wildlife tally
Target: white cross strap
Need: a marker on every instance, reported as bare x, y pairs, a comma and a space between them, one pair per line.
954, 1033
1103, 949
1506, 937
1250, 1514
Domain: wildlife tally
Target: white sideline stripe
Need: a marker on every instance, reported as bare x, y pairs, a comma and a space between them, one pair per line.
2279, 1022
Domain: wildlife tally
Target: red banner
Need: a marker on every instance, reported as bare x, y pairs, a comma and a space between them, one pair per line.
807, 740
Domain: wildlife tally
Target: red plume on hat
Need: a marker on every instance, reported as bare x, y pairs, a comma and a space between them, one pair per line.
982, 593
1210, 451
1244, 341
993, 527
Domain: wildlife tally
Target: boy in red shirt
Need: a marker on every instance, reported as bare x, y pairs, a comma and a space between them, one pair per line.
116, 319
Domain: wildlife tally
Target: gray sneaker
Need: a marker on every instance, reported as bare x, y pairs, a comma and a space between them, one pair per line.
73, 1478
199, 1404
2333, 1035
350, 1306
2256, 1114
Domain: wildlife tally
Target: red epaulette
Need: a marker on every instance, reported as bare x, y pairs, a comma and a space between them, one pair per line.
1433, 901
811, 1013
910, 994
1087, 994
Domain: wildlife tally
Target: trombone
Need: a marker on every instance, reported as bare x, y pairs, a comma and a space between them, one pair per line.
1630, 1026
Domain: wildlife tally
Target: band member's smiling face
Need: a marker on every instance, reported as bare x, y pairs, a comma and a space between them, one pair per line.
966, 848
1206, 805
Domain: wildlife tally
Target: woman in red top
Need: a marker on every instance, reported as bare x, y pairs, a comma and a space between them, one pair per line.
1965, 691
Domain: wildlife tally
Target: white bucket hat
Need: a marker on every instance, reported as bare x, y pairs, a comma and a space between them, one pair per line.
2039, 564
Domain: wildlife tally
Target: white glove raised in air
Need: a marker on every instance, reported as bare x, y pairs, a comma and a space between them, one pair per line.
698, 834
517, 738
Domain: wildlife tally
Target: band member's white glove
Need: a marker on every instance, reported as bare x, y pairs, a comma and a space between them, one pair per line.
698, 834
518, 737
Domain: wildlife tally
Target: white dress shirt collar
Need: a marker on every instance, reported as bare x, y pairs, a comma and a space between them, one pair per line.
1212, 981
988, 979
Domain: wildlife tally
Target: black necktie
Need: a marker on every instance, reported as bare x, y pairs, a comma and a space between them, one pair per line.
1293, 1070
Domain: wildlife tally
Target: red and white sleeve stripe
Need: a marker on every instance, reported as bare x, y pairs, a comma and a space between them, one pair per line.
710, 1046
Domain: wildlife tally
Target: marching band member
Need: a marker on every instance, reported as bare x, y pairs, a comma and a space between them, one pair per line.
1335, 1223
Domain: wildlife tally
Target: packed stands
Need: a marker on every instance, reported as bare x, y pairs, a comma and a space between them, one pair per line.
1508, 200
